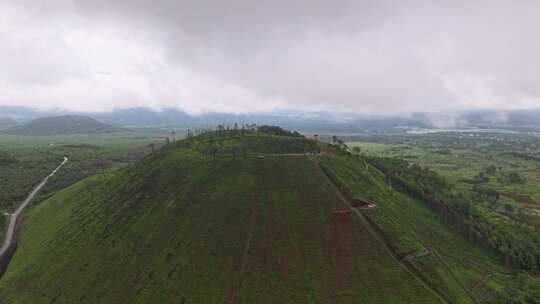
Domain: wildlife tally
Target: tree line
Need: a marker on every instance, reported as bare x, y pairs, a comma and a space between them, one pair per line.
517, 243
238, 141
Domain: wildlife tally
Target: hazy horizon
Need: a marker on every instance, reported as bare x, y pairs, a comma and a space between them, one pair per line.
265, 56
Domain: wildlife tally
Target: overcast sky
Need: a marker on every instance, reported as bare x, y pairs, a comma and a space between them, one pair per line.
249, 55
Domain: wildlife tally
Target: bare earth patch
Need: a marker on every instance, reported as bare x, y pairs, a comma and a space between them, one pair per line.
521, 198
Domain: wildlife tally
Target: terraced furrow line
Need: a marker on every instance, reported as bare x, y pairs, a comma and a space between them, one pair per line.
243, 262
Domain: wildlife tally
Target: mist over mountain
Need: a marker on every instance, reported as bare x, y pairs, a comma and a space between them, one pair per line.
20, 113
141, 117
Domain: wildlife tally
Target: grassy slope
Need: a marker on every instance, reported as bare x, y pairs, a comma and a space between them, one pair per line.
178, 226
457, 266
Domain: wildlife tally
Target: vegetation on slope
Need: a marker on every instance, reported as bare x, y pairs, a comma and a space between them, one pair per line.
419, 212
68, 124
518, 244
26, 160
275, 130
240, 216
186, 226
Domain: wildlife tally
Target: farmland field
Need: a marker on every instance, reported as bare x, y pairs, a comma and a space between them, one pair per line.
508, 164
497, 175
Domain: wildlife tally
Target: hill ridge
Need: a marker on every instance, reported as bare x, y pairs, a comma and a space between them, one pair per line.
177, 225
240, 216
62, 125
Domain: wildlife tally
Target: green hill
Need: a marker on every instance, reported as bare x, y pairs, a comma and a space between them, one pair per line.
62, 125
6, 123
211, 220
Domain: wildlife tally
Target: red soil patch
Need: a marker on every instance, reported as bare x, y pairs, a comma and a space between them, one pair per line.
342, 216
521, 198
342, 237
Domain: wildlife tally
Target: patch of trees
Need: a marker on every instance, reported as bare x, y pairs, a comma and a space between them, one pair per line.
340, 145
18, 178
485, 193
491, 170
511, 178
523, 291
480, 178
241, 141
523, 156
443, 151
518, 244
6, 159
278, 131
242, 129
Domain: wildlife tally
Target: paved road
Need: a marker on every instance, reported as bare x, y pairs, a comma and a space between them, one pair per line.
8, 240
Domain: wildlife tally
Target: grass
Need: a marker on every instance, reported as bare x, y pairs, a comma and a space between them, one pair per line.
180, 226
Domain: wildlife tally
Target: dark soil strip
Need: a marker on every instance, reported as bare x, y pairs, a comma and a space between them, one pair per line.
521, 198
343, 237
485, 277
243, 262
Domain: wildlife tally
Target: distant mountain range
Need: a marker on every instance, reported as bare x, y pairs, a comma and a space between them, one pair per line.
302, 121
6, 123
61, 125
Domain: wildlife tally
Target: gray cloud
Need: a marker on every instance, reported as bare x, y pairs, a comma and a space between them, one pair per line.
240, 55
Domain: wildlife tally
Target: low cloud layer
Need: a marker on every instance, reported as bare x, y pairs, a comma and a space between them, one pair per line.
246, 56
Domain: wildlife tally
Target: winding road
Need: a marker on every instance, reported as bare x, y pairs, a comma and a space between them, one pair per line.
8, 240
